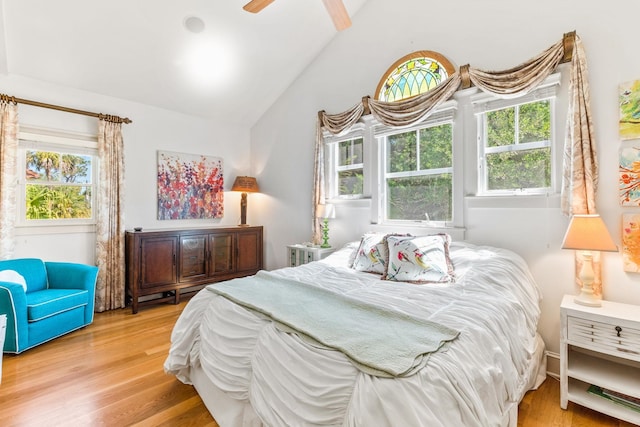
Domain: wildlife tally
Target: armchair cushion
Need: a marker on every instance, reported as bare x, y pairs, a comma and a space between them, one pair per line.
49, 302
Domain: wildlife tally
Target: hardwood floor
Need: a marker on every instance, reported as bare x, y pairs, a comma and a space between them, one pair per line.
110, 374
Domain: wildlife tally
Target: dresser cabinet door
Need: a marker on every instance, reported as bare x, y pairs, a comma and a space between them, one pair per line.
249, 256
221, 254
193, 257
158, 261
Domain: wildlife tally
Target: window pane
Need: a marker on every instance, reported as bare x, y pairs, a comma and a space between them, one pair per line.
350, 182
76, 168
435, 147
412, 198
401, 152
43, 165
535, 121
519, 169
501, 127
58, 202
350, 152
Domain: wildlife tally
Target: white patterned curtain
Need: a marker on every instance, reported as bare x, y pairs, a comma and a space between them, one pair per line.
580, 162
110, 288
8, 174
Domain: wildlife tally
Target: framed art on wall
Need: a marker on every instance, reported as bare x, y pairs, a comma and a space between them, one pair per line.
629, 173
190, 186
629, 99
631, 242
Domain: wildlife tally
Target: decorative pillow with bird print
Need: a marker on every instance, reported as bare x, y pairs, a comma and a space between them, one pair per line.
419, 259
372, 253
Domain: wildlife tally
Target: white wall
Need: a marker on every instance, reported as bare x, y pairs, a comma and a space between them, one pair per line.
152, 129
490, 34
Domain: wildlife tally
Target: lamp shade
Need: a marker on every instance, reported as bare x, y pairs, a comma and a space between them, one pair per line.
589, 233
325, 211
246, 184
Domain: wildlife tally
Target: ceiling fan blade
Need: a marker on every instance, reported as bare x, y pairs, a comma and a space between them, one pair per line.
338, 13
255, 6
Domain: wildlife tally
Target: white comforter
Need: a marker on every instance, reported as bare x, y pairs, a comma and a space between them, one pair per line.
291, 381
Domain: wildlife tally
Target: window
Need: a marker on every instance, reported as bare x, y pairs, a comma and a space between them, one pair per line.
418, 174
349, 168
515, 139
58, 180
413, 74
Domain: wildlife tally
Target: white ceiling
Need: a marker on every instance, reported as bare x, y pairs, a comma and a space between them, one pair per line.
139, 50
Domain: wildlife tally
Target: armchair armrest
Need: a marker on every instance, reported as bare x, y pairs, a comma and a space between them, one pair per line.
13, 303
66, 275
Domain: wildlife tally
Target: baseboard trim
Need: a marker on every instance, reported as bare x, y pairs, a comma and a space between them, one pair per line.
553, 364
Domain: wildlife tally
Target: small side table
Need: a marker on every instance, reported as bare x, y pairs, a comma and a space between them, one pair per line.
600, 346
301, 254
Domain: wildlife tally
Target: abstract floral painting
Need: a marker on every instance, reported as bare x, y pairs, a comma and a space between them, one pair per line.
629, 171
189, 186
631, 242
629, 99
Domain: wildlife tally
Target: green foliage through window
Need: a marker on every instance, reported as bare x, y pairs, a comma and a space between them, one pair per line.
419, 174
350, 167
517, 150
58, 185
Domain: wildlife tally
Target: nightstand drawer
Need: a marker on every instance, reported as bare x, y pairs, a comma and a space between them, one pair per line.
617, 340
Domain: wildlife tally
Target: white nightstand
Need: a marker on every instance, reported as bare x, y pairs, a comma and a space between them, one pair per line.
301, 254
600, 346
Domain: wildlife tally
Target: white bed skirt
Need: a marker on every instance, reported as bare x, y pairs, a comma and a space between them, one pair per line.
229, 412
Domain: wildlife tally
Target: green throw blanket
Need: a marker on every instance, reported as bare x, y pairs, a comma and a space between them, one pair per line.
383, 341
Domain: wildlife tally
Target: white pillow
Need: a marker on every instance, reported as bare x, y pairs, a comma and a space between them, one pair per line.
13, 277
420, 259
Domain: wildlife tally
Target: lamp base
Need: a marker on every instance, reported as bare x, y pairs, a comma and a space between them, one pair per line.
325, 234
587, 299
587, 296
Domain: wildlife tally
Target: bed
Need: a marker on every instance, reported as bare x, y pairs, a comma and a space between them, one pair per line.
255, 364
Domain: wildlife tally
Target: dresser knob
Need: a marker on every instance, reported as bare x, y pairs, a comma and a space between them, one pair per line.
618, 330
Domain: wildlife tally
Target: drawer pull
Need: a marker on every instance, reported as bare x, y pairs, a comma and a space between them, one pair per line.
624, 350
618, 330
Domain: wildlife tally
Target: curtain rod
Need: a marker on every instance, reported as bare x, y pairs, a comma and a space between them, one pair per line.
107, 117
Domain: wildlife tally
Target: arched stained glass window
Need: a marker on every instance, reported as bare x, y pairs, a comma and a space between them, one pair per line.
412, 75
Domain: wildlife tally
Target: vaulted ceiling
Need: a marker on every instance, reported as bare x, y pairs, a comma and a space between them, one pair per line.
149, 51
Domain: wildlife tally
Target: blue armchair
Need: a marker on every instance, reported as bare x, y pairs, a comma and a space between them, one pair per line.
44, 300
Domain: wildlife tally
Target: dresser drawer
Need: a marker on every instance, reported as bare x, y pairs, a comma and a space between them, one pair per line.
610, 338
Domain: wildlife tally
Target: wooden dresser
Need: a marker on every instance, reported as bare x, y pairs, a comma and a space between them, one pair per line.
162, 262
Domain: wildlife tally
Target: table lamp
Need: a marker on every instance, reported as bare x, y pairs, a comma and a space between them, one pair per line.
246, 184
587, 233
325, 212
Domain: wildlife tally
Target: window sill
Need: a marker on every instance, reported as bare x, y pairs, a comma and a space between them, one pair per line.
529, 201
31, 230
361, 202
419, 228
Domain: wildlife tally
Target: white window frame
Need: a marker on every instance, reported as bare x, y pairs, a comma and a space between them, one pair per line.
445, 114
484, 103
53, 140
332, 169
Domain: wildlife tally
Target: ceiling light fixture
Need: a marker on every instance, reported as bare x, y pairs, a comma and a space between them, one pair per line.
194, 24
